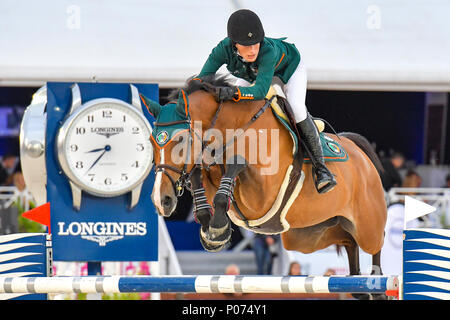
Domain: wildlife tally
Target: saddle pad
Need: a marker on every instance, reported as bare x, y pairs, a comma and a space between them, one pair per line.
332, 150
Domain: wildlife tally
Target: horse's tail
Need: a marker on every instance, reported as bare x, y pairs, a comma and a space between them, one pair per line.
365, 146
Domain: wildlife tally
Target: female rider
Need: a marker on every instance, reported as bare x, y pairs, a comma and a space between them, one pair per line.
255, 60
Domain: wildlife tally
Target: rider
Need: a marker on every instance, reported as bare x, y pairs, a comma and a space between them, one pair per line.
255, 60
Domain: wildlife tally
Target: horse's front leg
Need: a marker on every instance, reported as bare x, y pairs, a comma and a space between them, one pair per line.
219, 230
203, 211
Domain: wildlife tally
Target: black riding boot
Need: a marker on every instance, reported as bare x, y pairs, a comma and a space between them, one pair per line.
324, 179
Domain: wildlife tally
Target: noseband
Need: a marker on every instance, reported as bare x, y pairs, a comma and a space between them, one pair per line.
183, 180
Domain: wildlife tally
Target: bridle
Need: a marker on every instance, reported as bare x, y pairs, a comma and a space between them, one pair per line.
184, 179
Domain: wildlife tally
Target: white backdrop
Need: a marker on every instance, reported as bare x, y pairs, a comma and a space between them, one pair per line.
347, 44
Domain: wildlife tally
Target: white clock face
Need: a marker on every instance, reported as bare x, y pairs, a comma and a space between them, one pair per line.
106, 149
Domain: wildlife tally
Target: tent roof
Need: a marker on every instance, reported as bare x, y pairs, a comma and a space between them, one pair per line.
347, 44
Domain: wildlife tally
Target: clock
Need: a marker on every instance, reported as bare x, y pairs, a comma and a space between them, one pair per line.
103, 147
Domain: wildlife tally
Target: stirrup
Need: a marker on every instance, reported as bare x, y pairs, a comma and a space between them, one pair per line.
329, 184
328, 187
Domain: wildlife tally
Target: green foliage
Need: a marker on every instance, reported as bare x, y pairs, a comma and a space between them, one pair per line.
81, 296
26, 225
122, 296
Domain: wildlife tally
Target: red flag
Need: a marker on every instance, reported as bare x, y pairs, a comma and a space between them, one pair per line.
40, 215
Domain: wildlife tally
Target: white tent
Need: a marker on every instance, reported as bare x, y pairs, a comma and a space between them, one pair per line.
346, 44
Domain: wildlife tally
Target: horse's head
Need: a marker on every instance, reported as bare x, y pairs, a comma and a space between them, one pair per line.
171, 140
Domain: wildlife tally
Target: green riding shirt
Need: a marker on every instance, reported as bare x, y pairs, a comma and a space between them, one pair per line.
275, 58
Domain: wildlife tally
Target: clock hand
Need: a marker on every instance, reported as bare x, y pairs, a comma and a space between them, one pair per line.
96, 150
107, 148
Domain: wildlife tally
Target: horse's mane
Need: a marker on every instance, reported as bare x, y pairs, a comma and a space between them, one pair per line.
193, 85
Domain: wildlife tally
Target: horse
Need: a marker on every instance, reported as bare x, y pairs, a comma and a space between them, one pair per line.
352, 215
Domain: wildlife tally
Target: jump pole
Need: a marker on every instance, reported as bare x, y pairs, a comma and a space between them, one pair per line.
200, 284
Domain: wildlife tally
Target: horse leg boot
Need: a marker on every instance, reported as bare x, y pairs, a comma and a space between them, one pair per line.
219, 231
323, 178
203, 211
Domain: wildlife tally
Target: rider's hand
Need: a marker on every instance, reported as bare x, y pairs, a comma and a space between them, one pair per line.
226, 93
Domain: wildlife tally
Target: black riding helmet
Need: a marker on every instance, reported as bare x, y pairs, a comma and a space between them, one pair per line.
245, 28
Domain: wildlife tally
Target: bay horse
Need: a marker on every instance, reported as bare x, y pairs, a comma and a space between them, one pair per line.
352, 215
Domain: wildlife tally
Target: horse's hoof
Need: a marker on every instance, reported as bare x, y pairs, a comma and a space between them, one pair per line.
215, 239
209, 245
210, 248
221, 234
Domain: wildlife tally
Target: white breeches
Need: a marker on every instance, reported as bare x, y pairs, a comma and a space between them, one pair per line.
294, 89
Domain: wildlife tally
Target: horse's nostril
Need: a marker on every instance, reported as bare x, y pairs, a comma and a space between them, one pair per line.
167, 202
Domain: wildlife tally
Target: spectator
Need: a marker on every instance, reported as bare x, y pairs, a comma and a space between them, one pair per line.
18, 181
391, 177
412, 180
232, 269
330, 272
447, 181
265, 250
295, 269
7, 168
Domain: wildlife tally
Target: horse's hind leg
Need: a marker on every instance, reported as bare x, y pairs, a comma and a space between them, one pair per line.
353, 258
219, 231
353, 263
376, 270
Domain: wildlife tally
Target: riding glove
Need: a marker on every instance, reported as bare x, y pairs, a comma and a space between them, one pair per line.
226, 93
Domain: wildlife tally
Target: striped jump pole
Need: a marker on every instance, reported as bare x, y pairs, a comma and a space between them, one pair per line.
200, 284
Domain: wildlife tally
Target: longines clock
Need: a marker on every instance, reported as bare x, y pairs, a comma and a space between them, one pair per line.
103, 147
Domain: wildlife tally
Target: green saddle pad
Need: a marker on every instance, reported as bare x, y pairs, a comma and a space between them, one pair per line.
332, 150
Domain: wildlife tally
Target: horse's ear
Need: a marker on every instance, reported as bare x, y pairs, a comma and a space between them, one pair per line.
183, 104
152, 106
